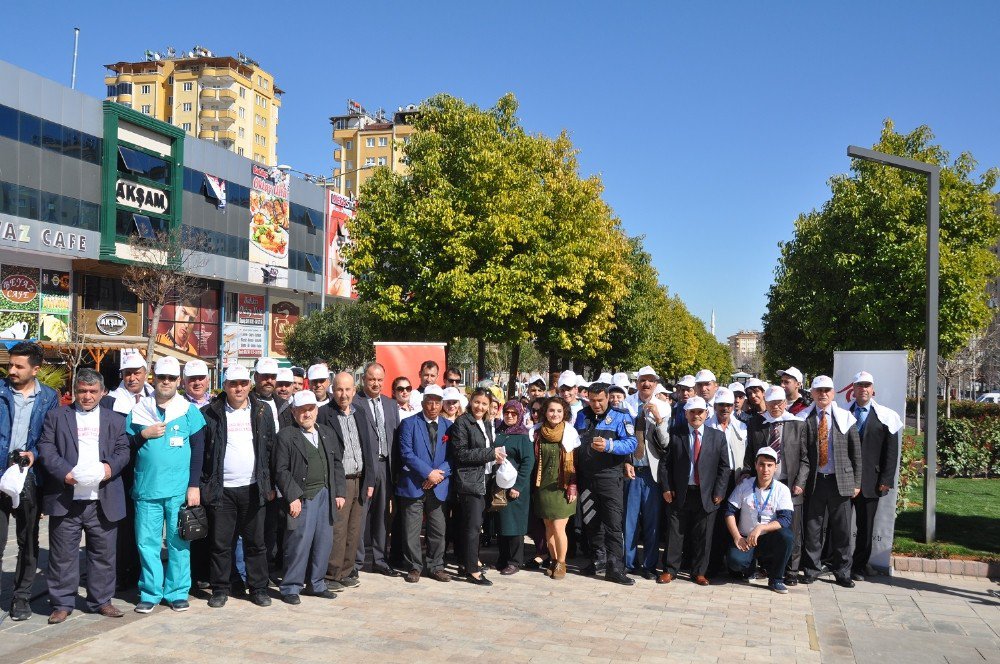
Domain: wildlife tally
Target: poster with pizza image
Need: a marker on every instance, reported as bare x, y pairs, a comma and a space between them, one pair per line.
269, 221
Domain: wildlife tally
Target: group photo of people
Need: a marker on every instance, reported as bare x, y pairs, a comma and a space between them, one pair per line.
299, 481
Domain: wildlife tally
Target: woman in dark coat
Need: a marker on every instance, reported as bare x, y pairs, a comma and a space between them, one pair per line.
515, 438
470, 448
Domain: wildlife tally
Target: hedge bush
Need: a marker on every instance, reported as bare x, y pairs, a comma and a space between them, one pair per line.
969, 447
959, 409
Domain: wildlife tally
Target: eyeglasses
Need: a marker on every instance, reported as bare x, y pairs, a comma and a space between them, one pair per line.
166, 378
404, 388
454, 381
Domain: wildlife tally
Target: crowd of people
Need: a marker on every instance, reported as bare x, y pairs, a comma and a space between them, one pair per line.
307, 479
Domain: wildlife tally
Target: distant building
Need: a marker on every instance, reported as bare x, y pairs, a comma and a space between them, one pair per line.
365, 141
230, 101
744, 342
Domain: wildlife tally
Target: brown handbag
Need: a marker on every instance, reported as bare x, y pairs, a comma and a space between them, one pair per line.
496, 496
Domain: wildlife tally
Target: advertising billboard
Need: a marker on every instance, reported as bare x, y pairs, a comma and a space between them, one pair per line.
340, 210
269, 222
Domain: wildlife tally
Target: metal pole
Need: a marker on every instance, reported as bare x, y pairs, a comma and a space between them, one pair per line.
326, 242
930, 435
76, 48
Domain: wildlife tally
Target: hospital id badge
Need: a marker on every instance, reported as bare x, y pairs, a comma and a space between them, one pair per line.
176, 441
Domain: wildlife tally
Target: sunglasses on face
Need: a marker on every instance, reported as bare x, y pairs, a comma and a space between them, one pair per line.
404, 388
166, 378
456, 381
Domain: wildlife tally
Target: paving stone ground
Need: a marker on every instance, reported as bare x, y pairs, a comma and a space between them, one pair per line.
913, 617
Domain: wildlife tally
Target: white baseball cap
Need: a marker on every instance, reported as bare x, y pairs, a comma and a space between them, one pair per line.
621, 388
536, 378
451, 394
303, 398
620, 378
647, 371
659, 389
686, 381
820, 382
195, 368
567, 379
132, 361
704, 376
768, 452
793, 372
580, 382
318, 372
605, 377
237, 372
267, 366
724, 395
774, 393
285, 376
167, 366
737, 387
433, 391
863, 377
695, 403
755, 382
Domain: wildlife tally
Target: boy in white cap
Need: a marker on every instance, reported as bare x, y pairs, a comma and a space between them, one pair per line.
755, 404
739, 400
878, 427
683, 390
791, 383
169, 432
569, 390
833, 439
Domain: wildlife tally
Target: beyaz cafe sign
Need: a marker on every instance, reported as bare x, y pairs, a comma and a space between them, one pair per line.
143, 197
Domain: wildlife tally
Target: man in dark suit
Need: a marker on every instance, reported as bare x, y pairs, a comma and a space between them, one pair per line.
786, 434
878, 428
693, 477
422, 485
833, 433
383, 418
83, 450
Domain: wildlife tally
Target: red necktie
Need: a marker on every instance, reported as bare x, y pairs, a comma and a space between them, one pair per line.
697, 453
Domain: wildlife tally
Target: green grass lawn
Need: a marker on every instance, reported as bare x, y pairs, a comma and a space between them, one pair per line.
968, 521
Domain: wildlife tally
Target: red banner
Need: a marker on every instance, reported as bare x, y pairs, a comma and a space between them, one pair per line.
402, 358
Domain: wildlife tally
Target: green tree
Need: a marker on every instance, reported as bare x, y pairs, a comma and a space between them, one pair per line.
343, 334
853, 276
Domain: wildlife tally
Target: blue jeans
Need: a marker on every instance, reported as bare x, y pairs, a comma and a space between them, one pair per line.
642, 499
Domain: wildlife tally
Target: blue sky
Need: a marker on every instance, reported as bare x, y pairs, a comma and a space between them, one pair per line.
712, 124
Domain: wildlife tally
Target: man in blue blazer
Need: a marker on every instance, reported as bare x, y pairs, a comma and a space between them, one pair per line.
422, 487
83, 450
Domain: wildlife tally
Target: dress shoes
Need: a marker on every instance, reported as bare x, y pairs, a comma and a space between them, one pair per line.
109, 610
20, 610
792, 580
510, 570
324, 594
218, 600
260, 598
870, 571
385, 570
621, 578
58, 616
666, 577
647, 574
440, 575
412, 576
593, 570
857, 576
481, 581
291, 598
808, 578
701, 580
845, 582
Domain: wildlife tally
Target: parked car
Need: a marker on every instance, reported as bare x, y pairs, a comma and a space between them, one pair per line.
989, 397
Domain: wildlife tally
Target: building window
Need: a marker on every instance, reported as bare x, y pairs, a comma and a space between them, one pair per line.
145, 89
187, 106
349, 145
146, 109
242, 113
349, 165
369, 161
381, 161
170, 101
242, 132
239, 151
369, 142
107, 294
186, 126
347, 184
188, 87
170, 79
112, 90
243, 92
383, 141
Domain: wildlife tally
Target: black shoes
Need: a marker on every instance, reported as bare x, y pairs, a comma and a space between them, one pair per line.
144, 607
857, 576
260, 598
180, 605
593, 570
385, 570
218, 600
350, 582
845, 582
620, 578
20, 610
481, 581
326, 594
792, 580
291, 599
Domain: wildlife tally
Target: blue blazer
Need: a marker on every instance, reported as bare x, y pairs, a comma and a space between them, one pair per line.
415, 453
59, 451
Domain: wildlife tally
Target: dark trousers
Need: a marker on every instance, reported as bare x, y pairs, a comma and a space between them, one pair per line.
795, 559
26, 517
415, 512
511, 551
63, 575
691, 515
467, 528
274, 538
603, 523
346, 533
127, 551
864, 518
376, 521
772, 552
827, 510
239, 513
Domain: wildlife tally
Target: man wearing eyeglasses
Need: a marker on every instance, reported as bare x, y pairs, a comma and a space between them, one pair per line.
452, 377
401, 391
169, 433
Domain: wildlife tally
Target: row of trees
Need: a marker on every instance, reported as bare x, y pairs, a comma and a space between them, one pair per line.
493, 235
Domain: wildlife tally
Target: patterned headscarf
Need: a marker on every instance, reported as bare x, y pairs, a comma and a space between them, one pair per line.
514, 429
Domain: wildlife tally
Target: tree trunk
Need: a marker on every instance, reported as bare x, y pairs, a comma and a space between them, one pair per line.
553, 362
154, 324
515, 360
480, 359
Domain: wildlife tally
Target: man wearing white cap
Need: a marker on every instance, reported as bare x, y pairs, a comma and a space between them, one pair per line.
693, 477
642, 494
170, 434
265, 381
739, 399
878, 428
284, 384
755, 404
536, 386
319, 383
569, 389
833, 439
786, 434
735, 432
236, 483
791, 383
133, 386
705, 386
196, 383
683, 390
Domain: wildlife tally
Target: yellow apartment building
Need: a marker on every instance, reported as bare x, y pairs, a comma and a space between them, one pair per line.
229, 100
364, 141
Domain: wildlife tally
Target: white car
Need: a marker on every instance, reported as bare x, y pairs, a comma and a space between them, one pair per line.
989, 397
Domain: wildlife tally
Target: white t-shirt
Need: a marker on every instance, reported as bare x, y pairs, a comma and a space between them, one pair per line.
238, 466
88, 427
758, 506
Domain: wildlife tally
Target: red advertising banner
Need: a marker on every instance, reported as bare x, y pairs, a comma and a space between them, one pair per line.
250, 309
284, 315
403, 358
339, 211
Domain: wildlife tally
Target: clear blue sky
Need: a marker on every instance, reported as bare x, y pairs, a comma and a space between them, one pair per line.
712, 124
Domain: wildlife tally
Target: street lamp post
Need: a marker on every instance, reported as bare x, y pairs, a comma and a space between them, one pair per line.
325, 182
933, 173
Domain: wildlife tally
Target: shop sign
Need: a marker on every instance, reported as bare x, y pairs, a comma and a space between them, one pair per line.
111, 324
250, 309
284, 315
19, 288
147, 199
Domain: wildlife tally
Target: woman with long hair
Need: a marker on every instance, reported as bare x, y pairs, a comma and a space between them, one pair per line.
554, 479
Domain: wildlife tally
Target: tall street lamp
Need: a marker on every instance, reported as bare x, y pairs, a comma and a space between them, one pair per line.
933, 173
326, 182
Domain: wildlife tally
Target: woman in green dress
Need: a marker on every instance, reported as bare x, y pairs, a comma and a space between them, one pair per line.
554, 478
515, 437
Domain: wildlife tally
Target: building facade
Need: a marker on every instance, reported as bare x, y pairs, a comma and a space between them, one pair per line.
365, 141
81, 182
744, 342
232, 102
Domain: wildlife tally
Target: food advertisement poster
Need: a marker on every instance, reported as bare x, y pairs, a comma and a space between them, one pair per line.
284, 315
269, 222
34, 304
340, 210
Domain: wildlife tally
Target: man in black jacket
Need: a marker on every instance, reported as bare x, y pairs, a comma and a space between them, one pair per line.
236, 482
265, 379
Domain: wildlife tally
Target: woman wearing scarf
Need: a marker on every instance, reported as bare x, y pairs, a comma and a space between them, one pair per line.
554, 479
514, 437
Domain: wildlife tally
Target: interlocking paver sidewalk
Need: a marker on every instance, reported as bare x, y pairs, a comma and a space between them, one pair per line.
913, 617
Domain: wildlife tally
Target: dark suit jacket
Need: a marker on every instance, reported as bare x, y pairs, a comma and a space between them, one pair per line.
59, 450
418, 460
796, 459
217, 440
290, 464
879, 455
846, 453
390, 425
468, 452
713, 466
369, 448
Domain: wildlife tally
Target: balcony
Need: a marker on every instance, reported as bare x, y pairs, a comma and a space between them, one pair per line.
215, 98
221, 74
337, 155
219, 117
222, 137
